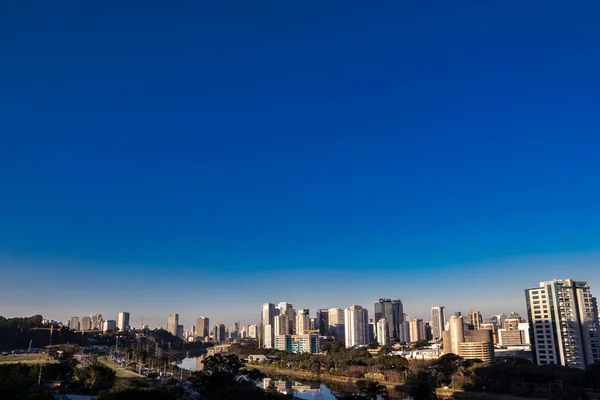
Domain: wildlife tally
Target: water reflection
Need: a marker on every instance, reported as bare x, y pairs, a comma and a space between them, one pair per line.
191, 363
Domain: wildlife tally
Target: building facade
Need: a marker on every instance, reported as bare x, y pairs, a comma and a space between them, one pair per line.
438, 322
356, 319
302, 322
219, 333
74, 323
172, 323
123, 320
469, 344
417, 330
85, 324
475, 319
337, 323
202, 326
383, 332
563, 323
297, 343
287, 309
109, 325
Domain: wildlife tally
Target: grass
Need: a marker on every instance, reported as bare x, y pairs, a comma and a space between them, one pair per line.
25, 358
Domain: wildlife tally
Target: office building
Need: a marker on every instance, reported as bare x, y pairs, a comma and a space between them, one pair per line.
383, 332
323, 321
404, 332
219, 333
123, 320
417, 330
356, 319
202, 326
302, 322
393, 312
86, 324
372, 331
109, 325
281, 325
180, 331
269, 337
563, 323
500, 319
298, 343
267, 318
511, 323
74, 325
491, 325
438, 322
475, 319
337, 323
172, 323
287, 309
254, 331
96, 321
469, 344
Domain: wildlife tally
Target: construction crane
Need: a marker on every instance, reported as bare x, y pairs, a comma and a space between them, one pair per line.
51, 329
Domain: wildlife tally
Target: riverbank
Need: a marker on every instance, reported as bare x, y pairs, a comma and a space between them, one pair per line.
315, 377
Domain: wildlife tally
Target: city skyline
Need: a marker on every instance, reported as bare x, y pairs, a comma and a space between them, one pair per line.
325, 156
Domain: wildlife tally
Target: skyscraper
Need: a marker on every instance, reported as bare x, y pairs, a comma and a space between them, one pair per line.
475, 318
417, 330
438, 322
323, 321
393, 313
337, 323
96, 321
172, 323
268, 318
563, 323
202, 324
219, 333
123, 320
281, 325
86, 324
109, 325
74, 323
287, 309
302, 322
356, 319
383, 333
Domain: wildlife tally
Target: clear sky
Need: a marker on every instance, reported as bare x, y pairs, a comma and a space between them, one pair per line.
204, 157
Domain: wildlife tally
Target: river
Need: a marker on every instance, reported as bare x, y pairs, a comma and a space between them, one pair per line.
301, 388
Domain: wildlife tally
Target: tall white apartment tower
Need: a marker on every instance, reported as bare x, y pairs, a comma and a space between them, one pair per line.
563, 323
383, 332
123, 320
302, 322
357, 319
438, 321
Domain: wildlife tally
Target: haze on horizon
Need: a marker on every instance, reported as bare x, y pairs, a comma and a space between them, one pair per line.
204, 158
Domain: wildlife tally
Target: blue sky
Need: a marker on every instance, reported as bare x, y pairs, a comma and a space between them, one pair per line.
206, 157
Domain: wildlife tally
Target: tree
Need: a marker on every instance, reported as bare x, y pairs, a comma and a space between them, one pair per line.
226, 378
372, 390
421, 343
421, 387
96, 375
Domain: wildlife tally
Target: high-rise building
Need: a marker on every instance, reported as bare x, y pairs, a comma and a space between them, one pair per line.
323, 321
254, 331
417, 330
469, 344
219, 333
202, 326
337, 323
281, 325
74, 323
180, 331
438, 322
392, 311
123, 320
302, 322
563, 323
172, 323
475, 318
96, 321
86, 324
383, 332
109, 325
269, 337
287, 309
511, 323
404, 332
267, 318
357, 319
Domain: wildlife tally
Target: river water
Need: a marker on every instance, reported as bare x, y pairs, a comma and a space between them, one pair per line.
301, 388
